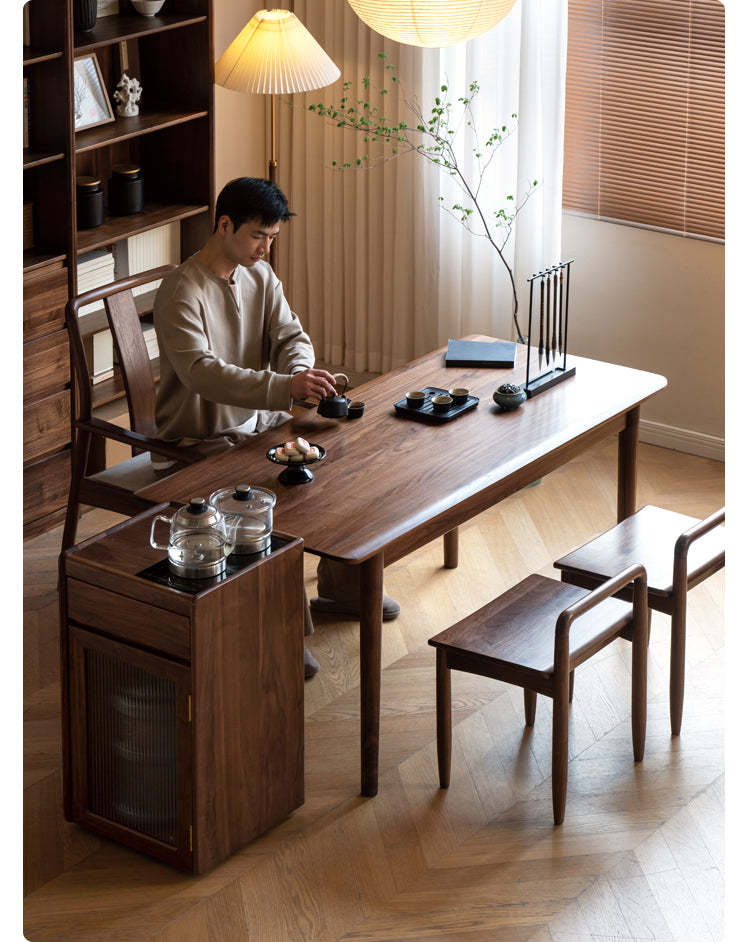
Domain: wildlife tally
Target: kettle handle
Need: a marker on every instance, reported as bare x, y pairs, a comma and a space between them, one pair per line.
151, 540
341, 380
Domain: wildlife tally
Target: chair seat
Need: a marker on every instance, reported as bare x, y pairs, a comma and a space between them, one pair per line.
517, 629
131, 474
648, 537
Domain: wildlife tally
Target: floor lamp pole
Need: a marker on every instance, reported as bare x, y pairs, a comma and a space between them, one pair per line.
272, 165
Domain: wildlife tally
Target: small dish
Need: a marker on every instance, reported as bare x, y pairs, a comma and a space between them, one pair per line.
441, 403
356, 409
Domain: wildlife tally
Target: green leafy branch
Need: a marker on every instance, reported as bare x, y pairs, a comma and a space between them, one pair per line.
432, 135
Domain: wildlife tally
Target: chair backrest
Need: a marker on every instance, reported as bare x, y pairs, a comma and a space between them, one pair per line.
129, 344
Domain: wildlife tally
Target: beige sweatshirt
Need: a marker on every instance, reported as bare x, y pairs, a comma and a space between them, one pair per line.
227, 350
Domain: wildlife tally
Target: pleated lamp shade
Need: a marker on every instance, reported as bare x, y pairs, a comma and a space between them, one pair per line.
431, 22
275, 54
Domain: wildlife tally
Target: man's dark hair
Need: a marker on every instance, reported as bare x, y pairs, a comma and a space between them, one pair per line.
249, 198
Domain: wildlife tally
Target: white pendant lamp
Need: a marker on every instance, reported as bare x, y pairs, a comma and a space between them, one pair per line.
431, 22
274, 54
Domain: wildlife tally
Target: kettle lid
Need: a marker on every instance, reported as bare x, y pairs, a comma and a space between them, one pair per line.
243, 499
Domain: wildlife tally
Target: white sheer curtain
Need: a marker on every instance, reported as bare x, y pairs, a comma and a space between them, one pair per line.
373, 266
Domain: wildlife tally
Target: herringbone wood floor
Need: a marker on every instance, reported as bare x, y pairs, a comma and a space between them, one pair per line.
640, 855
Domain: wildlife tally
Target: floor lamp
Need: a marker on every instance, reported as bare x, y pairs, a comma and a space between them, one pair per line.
274, 54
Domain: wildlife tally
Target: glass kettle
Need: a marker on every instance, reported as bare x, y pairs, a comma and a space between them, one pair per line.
250, 510
200, 539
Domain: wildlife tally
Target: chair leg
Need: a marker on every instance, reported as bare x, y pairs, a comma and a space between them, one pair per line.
444, 730
572, 678
450, 549
677, 663
560, 714
529, 706
638, 701
79, 460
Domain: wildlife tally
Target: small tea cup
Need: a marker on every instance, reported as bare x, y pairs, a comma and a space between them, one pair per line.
356, 409
442, 403
459, 394
416, 398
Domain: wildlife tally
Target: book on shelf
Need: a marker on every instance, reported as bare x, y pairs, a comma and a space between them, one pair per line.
107, 7
95, 269
100, 355
25, 112
28, 226
146, 250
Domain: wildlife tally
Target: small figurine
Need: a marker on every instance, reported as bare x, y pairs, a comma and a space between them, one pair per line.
128, 94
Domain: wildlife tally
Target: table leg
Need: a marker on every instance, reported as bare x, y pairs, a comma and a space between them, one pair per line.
370, 643
627, 464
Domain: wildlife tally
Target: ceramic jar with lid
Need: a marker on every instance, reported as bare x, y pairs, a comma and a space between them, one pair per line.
126, 190
89, 202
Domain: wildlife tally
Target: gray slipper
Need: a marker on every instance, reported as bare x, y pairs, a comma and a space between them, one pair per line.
311, 665
391, 608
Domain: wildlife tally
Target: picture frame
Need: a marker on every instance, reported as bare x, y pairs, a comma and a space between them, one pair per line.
91, 104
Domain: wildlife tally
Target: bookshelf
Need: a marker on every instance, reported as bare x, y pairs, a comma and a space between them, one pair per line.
171, 139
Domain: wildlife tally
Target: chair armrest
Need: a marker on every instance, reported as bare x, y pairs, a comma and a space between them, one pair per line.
699, 529
635, 573
136, 440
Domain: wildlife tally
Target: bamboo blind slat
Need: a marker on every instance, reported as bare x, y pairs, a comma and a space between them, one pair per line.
644, 123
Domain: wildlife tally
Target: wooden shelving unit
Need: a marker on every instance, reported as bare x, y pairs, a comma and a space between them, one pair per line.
171, 139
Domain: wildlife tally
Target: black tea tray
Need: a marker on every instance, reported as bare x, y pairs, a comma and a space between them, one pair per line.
425, 412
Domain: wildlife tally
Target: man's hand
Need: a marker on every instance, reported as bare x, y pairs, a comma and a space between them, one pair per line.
313, 384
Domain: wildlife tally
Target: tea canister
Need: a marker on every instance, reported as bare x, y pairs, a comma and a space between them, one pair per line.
89, 202
126, 190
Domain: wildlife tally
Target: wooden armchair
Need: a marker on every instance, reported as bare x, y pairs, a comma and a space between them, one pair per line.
534, 636
113, 488
660, 540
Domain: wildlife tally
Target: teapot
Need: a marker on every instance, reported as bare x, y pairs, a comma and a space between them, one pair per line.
250, 511
200, 539
336, 407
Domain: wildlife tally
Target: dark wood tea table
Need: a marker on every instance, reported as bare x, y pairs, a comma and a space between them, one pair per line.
390, 484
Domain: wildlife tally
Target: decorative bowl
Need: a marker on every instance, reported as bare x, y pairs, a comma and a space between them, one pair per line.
148, 7
509, 396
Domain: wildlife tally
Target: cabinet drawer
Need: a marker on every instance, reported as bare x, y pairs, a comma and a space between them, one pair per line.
44, 301
128, 619
45, 486
46, 366
46, 426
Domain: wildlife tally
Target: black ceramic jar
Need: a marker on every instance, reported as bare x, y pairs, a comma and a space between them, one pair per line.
125, 190
89, 202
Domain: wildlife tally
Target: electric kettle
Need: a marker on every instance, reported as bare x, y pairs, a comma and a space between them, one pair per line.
200, 539
250, 511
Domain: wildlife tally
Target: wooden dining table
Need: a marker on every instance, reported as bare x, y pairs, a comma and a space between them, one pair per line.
391, 483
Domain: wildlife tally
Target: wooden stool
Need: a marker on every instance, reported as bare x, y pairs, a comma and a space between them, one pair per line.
660, 540
534, 636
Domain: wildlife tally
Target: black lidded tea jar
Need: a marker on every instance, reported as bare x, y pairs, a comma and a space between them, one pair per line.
89, 202
125, 190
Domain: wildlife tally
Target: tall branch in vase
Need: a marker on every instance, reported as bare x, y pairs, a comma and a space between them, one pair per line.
433, 135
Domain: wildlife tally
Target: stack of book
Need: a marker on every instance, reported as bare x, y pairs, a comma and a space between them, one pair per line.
95, 269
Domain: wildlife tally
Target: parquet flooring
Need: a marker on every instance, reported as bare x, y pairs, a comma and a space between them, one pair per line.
641, 853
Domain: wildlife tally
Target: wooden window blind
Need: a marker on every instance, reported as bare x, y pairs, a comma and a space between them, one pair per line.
644, 122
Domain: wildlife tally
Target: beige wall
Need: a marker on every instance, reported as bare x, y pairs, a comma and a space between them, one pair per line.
241, 148
655, 302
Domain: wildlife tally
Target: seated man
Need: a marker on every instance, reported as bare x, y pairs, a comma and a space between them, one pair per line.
233, 355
